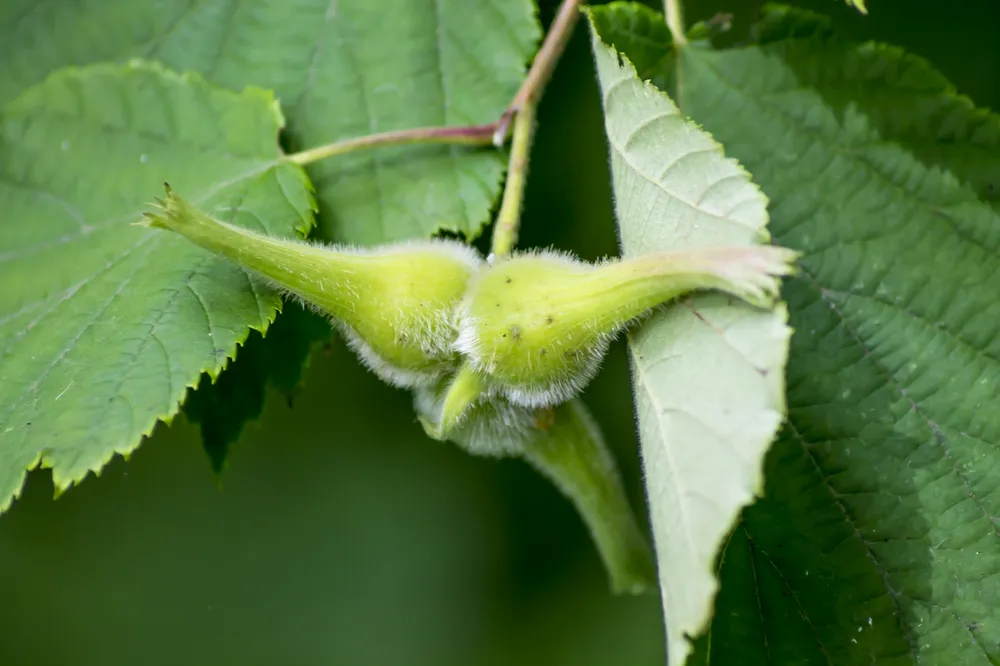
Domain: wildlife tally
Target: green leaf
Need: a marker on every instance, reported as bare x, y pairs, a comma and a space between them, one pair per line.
341, 69
859, 5
222, 405
708, 372
878, 534
105, 325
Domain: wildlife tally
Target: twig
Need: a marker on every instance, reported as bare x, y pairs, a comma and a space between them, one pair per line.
522, 112
472, 135
505, 231
675, 21
542, 67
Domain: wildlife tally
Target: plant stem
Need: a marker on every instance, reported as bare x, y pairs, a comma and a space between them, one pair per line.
675, 21
542, 67
522, 111
509, 217
471, 135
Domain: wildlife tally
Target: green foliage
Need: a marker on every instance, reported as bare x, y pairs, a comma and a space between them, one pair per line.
341, 535
341, 69
708, 375
106, 325
868, 533
404, 72
545, 317
876, 540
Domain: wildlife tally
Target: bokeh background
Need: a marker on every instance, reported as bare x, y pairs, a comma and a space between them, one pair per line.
339, 534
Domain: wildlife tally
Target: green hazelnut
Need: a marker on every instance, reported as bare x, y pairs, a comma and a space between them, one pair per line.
537, 325
394, 304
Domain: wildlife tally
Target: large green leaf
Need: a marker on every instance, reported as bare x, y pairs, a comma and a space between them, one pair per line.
341, 68
878, 539
708, 373
104, 325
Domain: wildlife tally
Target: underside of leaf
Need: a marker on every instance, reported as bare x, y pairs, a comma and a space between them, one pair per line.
708, 373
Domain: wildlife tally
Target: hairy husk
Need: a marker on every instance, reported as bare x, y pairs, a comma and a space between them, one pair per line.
536, 326
395, 304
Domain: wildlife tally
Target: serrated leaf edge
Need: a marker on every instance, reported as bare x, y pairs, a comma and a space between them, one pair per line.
303, 228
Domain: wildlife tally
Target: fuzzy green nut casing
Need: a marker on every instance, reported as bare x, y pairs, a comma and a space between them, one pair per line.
395, 304
536, 326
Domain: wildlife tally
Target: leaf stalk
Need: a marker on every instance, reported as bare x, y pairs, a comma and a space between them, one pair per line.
508, 222
674, 11
522, 112
542, 67
470, 135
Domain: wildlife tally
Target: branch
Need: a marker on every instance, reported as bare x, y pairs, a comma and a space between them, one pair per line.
471, 135
675, 21
541, 70
522, 111
508, 222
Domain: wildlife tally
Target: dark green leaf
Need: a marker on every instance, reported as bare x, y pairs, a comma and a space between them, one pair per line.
879, 523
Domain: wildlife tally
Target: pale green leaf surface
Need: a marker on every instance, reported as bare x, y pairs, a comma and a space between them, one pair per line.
104, 325
878, 532
708, 372
341, 68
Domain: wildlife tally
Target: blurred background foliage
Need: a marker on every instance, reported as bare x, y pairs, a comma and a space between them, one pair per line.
339, 534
